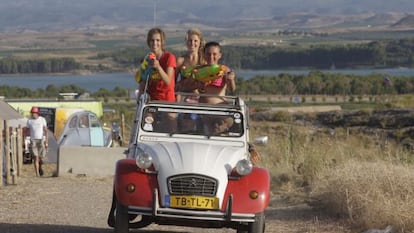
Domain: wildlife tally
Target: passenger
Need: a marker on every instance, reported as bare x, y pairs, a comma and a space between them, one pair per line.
194, 56
218, 125
164, 64
38, 138
84, 121
218, 87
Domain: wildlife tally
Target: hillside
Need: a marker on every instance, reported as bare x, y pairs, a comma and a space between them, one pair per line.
407, 21
56, 15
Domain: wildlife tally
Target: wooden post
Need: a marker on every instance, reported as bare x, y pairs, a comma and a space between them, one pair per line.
7, 144
19, 150
13, 143
1, 152
122, 127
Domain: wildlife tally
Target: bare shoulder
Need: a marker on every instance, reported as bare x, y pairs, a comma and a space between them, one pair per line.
180, 61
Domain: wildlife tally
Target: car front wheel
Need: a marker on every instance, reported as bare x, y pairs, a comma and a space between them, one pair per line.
255, 227
121, 218
259, 225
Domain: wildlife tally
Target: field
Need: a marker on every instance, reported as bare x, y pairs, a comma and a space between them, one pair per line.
84, 44
366, 180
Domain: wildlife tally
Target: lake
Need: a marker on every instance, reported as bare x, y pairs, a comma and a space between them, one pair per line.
94, 82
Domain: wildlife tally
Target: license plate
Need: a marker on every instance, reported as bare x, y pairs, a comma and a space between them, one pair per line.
192, 202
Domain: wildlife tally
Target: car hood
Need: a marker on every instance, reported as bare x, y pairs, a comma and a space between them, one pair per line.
174, 158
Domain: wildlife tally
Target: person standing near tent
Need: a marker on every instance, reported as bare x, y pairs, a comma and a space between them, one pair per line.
38, 138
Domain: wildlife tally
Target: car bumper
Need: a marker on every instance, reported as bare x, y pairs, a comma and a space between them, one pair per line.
205, 215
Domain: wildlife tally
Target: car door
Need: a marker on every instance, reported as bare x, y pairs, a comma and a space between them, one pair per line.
96, 133
83, 128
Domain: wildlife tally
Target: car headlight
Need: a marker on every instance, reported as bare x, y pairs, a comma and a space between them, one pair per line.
144, 160
244, 167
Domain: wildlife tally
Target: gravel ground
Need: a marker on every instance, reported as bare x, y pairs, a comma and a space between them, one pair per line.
75, 204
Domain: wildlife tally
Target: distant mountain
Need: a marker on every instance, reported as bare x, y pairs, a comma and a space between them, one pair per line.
46, 15
407, 21
384, 18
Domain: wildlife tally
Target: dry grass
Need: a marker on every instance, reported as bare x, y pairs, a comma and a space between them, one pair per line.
370, 194
367, 180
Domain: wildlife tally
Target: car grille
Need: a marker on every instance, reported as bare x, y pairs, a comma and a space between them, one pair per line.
192, 184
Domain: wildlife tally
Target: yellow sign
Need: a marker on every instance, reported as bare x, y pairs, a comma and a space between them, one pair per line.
24, 106
193, 202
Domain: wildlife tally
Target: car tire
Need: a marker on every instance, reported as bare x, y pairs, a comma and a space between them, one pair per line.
259, 225
121, 218
111, 215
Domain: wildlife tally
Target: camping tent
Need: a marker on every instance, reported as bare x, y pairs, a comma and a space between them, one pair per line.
7, 112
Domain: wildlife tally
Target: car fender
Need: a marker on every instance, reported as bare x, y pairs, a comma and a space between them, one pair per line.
128, 174
258, 180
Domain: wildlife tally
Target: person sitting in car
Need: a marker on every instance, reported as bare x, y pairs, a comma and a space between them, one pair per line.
218, 125
84, 121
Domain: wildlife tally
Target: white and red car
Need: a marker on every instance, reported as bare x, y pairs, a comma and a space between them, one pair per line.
184, 167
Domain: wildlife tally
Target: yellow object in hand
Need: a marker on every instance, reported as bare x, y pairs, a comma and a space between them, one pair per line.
205, 73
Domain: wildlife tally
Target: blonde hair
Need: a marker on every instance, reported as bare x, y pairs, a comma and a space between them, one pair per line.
154, 31
197, 32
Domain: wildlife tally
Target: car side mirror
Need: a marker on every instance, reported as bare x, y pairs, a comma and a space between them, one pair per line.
261, 140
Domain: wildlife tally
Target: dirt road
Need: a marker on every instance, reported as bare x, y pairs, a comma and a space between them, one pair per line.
80, 204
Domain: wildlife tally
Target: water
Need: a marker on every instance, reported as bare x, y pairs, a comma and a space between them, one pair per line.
94, 82
91, 82
407, 72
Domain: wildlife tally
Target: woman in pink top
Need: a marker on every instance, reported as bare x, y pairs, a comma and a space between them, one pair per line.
212, 54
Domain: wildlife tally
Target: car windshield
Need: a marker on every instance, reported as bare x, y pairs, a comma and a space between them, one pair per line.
192, 121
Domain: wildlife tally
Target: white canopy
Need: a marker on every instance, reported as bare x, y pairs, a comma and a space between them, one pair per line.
7, 112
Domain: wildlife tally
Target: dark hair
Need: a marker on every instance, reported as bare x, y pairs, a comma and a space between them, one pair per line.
211, 44
153, 31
